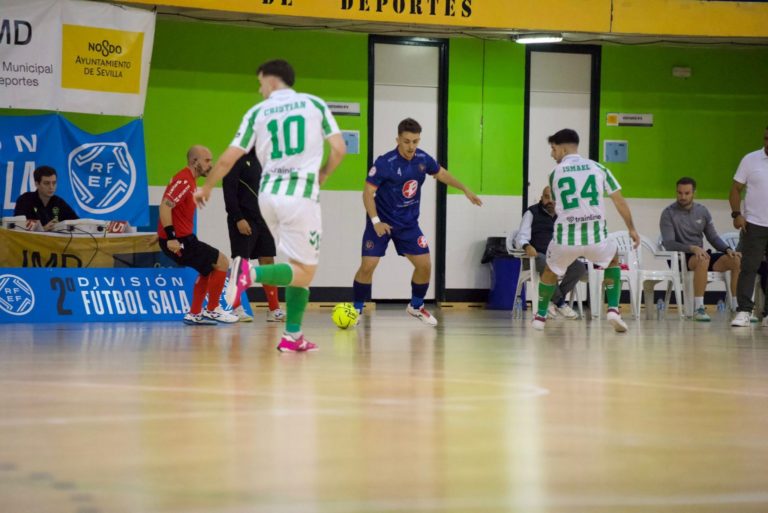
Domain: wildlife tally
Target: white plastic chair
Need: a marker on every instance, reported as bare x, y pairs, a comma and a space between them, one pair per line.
628, 256
530, 278
687, 280
648, 278
526, 275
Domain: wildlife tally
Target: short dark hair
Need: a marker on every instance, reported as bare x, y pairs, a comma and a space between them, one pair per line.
686, 180
280, 69
564, 136
409, 125
42, 172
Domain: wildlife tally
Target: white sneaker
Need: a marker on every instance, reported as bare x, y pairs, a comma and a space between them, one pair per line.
219, 315
538, 322
741, 320
241, 315
567, 312
701, 315
552, 312
276, 315
614, 317
197, 320
422, 314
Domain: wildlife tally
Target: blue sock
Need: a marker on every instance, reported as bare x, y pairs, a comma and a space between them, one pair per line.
418, 291
362, 292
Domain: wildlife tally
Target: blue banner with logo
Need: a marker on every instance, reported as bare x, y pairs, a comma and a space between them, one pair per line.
50, 294
101, 176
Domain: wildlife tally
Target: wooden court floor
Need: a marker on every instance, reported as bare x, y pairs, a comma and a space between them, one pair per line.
481, 414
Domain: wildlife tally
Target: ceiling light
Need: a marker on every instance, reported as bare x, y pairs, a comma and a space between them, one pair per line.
527, 39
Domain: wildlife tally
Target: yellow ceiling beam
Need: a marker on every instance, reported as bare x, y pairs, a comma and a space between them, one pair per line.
638, 17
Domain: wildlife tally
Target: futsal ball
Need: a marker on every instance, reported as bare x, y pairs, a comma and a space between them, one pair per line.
344, 315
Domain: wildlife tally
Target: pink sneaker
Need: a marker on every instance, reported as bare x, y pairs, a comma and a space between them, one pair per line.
239, 279
288, 344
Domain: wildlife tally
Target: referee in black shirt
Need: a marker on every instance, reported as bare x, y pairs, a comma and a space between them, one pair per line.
249, 236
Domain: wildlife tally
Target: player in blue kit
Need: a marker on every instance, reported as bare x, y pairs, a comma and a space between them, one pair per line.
391, 198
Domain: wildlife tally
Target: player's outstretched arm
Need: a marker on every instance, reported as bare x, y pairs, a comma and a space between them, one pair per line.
623, 209
219, 171
448, 179
338, 150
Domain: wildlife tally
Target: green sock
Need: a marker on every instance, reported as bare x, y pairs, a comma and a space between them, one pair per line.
545, 294
274, 274
296, 299
613, 289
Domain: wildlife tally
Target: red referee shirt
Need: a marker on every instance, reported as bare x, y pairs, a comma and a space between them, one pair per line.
180, 191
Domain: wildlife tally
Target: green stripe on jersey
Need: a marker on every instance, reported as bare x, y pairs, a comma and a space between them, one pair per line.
264, 182
309, 186
571, 235
608, 177
559, 233
249, 131
292, 181
584, 234
276, 185
326, 124
596, 230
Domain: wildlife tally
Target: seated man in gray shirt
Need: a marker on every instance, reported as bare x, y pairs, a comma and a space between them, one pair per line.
684, 224
534, 235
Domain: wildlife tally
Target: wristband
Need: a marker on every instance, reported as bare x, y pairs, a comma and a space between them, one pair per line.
170, 233
375, 220
735, 214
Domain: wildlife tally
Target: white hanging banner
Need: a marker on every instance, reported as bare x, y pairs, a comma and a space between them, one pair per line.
75, 56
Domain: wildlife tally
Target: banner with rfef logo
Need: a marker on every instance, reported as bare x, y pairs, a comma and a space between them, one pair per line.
74, 56
101, 176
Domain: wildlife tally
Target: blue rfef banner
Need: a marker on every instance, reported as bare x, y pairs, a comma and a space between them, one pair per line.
101, 176
52, 294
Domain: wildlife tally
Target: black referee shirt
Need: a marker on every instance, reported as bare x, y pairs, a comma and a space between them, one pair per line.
30, 205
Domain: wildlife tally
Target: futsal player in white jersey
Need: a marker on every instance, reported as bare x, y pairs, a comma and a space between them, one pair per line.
578, 186
288, 130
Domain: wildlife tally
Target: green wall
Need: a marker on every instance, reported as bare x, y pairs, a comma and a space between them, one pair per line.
703, 125
203, 80
486, 92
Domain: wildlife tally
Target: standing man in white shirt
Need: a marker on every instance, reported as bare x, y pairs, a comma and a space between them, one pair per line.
753, 223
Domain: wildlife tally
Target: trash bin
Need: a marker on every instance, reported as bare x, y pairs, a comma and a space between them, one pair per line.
505, 270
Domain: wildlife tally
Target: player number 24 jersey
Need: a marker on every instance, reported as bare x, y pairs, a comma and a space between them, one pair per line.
578, 187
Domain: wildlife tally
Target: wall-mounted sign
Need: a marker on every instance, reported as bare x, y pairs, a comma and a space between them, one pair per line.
344, 108
619, 119
615, 151
352, 139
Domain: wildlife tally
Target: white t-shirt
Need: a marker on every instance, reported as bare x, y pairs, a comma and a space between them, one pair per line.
578, 186
753, 172
288, 130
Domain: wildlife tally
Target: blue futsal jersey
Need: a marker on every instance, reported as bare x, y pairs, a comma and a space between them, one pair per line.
398, 186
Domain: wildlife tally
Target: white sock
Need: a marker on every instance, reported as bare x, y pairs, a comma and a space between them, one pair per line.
734, 304
698, 302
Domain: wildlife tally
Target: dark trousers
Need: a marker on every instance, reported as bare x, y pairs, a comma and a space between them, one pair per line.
573, 274
754, 248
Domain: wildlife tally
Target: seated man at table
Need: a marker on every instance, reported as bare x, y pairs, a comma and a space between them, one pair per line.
42, 206
534, 235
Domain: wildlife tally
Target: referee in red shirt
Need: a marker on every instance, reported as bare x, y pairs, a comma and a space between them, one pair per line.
177, 240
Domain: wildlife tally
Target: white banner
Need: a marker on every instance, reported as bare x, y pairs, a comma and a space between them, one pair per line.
74, 56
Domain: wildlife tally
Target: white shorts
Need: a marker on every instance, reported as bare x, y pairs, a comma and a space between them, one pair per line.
559, 257
296, 225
